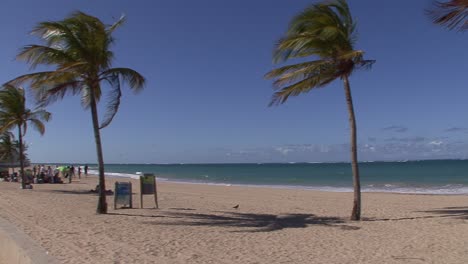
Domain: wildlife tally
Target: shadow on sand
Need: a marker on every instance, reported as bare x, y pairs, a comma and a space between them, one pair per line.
447, 212
88, 192
253, 222
454, 212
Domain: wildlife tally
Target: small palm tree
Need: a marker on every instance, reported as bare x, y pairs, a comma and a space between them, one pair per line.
452, 14
79, 49
325, 31
8, 147
14, 114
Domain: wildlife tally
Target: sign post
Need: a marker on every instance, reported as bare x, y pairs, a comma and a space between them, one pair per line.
148, 186
123, 194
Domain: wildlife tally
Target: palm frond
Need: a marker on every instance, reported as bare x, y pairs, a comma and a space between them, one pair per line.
60, 35
30, 77
46, 95
117, 24
294, 67
38, 125
306, 71
304, 86
41, 115
134, 79
85, 96
114, 100
451, 14
24, 129
364, 64
37, 54
7, 124
297, 46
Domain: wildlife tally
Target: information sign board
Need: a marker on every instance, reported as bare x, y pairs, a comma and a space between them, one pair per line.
148, 186
123, 195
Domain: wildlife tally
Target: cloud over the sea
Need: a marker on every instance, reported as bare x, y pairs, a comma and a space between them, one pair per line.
395, 128
456, 129
395, 148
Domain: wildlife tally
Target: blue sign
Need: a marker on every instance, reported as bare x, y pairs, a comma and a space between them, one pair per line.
123, 194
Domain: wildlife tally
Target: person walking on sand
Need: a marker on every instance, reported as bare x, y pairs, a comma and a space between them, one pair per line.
79, 172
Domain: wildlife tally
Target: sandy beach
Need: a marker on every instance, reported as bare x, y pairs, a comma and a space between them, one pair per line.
198, 224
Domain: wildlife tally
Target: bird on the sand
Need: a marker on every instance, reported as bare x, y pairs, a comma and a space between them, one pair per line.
236, 207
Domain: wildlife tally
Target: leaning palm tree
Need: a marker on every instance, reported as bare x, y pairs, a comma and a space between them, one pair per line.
79, 49
15, 115
452, 14
325, 32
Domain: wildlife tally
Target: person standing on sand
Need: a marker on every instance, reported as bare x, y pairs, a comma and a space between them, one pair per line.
86, 169
79, 172
69, 175
50, 175
56, 174
72, 170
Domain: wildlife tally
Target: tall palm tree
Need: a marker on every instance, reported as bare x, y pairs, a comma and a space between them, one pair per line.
452, 14
79, 49
326, 32
14, 114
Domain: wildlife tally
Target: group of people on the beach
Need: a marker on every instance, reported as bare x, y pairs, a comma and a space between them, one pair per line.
51, 174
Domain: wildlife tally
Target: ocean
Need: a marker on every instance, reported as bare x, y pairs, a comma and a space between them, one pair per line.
420, 177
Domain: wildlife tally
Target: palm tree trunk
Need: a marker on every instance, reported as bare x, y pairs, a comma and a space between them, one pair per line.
102, 203
20, 139
356, 213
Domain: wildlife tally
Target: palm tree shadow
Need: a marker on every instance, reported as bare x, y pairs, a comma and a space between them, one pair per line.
86, 192
73, 192
250, 222
446, 212
453, 212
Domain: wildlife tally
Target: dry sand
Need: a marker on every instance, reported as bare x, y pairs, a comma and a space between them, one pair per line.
197, 224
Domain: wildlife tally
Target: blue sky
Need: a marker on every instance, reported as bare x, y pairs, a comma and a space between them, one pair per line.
206, 98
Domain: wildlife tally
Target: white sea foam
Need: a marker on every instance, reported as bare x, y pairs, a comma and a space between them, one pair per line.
122, 175
115, 174
446, 189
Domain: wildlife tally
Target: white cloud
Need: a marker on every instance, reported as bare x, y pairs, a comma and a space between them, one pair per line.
436, 143
284, 150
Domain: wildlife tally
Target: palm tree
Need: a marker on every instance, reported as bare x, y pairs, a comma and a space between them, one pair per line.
8, 148
79, 49
452, 14
325, 31
14, 114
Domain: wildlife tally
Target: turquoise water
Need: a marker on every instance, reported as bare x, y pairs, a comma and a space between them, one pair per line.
430, 176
